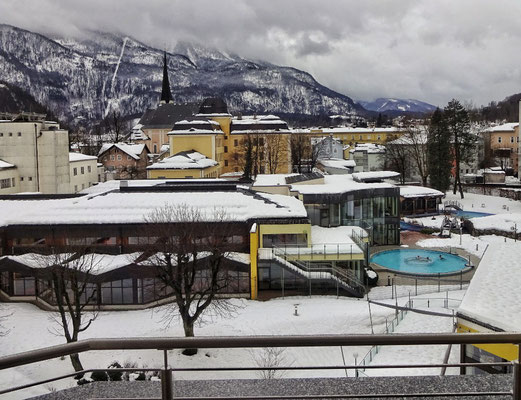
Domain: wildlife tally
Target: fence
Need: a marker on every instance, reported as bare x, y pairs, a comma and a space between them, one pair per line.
165, 344
390, 326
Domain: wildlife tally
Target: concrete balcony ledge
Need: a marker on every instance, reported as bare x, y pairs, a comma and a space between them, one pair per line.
295, 387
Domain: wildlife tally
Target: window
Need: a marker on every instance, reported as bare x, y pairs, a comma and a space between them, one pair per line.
21, 179
89, 169
225, 163
117, 292
112, 157
10, 133
511, 139
75, 188
19, 133
75, 171
5, 183
1, 134
119, 157
226, 149
235, 142
30, 178
499, 139
82, 170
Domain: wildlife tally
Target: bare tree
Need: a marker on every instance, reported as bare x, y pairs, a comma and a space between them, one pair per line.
116, 127
415, 138
397, 158
299, 143
74, 293
276, 151
271, 358
190, 260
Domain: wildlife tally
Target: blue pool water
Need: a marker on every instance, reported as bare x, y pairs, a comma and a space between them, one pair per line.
421, 262
471, 214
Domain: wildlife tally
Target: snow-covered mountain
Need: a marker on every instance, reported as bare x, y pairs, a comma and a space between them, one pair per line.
399, 105
81, 80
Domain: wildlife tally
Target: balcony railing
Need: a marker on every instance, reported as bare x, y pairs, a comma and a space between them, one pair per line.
165, 344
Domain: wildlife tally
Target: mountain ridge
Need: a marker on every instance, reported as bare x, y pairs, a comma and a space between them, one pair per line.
81, 80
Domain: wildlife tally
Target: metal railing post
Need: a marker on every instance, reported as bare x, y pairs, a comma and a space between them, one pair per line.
516, 381
166, 379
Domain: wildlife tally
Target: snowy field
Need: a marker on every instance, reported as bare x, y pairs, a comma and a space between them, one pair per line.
32, 328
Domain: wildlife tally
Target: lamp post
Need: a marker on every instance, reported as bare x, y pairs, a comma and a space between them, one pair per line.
514, 229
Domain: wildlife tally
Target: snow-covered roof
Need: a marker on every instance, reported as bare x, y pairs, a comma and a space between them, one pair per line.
133, 150
271, 179
195, 131
96, 264
73, 157
185, 160
508, 127
339, 234
371, 148
132, 207
337, 163
336, 184
493, 296
419, 191
349, 130
6, 165
374, 175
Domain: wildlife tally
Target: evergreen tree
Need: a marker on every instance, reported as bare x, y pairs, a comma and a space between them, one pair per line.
463, 141
439, 157
379, 121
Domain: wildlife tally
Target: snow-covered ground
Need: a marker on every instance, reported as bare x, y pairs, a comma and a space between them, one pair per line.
31, 328
507, 212
471, 244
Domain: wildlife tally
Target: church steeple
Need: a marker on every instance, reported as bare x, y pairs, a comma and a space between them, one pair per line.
166, 94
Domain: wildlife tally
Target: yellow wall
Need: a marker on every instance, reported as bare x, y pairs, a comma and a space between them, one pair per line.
254, 246
236, 149
507, 351
224, 122
211, 172
204, 144
286, 228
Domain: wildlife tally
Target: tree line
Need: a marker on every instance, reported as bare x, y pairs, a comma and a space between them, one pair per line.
437, 150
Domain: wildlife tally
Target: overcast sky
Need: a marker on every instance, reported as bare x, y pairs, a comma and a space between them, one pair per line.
430, 50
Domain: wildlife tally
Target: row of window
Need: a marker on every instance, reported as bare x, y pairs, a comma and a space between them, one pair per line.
10, 134
500, 139
123, 291
82, 170
118, 157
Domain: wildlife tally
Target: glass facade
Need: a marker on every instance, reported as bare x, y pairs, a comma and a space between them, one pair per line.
376, 211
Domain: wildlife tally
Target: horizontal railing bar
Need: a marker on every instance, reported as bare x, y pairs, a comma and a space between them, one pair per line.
82, 372
328, 367
332, 396
256, 341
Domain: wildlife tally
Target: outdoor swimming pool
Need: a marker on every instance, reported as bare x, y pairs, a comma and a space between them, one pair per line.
470, 214
419, 261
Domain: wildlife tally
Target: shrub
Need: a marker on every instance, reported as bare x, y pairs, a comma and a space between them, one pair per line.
115, 375
99, 376
427, 231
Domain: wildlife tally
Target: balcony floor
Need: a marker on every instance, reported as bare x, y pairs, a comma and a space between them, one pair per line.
296, 387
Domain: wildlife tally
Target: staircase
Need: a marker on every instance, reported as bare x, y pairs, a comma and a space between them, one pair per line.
316, 272
446, 226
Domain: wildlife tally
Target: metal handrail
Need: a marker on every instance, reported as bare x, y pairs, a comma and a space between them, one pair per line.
334, 272
165, 344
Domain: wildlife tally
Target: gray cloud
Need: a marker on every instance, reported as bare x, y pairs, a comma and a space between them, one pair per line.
424, 49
